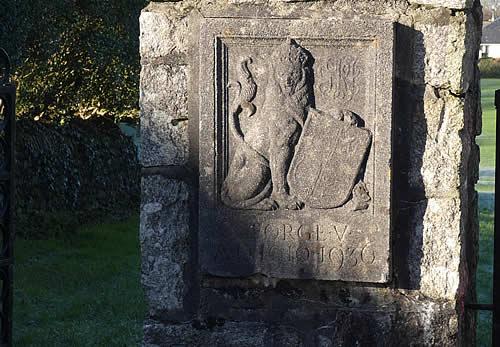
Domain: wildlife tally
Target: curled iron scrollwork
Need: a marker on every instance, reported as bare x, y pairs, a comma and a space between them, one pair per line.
4, 67
7, 136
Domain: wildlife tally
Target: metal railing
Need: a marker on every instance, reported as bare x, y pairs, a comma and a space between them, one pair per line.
496, 233
495, 306
7, 139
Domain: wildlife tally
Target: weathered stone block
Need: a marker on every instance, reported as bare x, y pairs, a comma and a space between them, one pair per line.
434, 256
164, 140
164, 115
441, 50
198, 334
165, 243
163, 36
440, 170
429, 323
164, 87
454, 4
218, 333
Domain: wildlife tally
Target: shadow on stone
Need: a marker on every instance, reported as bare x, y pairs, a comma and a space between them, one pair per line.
410, 128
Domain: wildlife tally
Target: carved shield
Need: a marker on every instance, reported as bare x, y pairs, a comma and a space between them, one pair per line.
327, 161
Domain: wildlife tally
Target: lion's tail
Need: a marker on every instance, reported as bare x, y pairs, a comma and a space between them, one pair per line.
245, 204
234, 121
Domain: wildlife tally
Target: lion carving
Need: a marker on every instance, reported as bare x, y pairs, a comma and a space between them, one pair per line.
257, 175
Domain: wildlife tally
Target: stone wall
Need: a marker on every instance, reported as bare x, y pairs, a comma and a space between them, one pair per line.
72, 174
435, 166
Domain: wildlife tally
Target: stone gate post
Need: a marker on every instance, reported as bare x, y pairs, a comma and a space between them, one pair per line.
308, 172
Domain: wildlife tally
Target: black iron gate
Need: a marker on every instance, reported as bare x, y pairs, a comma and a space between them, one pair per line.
7, 138
494, 307
496, 235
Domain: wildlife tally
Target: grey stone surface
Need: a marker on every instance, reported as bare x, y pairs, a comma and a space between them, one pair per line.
164, 123
206, 334
454, 4
163, 35
328, 160
162, 83
436, 118
444, 50
434, 257
443, 145
306, 140
165, 243
432, 325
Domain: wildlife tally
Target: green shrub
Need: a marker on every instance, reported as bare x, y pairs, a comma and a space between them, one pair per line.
489, 67
74, 58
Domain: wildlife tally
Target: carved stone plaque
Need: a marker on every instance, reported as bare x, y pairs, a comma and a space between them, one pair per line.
295, 148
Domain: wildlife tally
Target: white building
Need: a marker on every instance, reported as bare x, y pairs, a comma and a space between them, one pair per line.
490, 42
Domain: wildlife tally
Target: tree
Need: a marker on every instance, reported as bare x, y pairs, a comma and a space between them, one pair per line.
74, 58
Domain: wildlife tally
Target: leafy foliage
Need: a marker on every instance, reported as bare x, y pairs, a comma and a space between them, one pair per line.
73, 57
84, 170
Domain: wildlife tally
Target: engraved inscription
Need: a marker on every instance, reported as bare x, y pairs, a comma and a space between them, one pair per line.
340, 78
341, 257
312, 245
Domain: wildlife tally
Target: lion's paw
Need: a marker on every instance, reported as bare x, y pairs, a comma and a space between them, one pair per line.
269, 204
288, 202
349, 117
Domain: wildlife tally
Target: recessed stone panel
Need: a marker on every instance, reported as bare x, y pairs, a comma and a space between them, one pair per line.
295, 148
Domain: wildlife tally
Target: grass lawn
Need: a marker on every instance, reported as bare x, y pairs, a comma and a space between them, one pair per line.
83, 290
486, 184
485, 276
487, 139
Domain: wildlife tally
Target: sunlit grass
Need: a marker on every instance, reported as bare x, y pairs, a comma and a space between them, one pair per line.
486, 184
487, 138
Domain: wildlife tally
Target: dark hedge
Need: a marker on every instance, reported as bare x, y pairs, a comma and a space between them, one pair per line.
66, 175
490, 68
